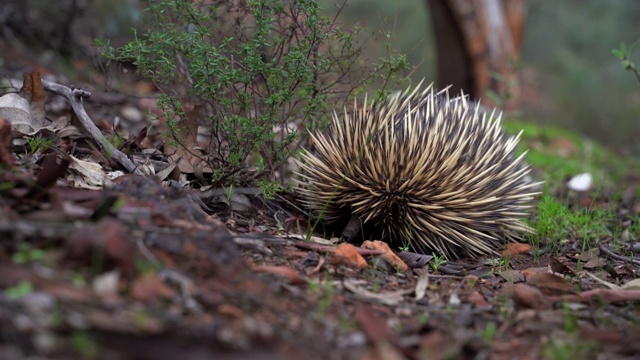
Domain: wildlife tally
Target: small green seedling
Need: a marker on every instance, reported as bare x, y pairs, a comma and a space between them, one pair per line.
437, 261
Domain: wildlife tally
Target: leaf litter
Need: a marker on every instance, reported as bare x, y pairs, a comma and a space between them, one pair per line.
101, 261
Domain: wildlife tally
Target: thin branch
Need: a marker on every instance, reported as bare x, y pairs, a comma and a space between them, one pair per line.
613, 255
75, 97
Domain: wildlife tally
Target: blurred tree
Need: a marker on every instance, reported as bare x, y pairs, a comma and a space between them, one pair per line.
478, 47
67, 27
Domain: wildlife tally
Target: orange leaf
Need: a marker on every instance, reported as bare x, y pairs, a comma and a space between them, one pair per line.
389, 256
347, 254
516, 248
282, 271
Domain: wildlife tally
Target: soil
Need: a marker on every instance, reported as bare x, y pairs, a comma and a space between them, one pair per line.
144, 269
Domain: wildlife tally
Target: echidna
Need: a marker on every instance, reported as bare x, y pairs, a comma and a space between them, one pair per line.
434, 172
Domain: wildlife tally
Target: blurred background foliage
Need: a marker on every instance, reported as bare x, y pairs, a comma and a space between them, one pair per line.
569, 76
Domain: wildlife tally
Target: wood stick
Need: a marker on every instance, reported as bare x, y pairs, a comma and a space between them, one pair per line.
75, 97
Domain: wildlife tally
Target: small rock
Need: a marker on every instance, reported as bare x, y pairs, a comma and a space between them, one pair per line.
132, 114
107, 283
581, 182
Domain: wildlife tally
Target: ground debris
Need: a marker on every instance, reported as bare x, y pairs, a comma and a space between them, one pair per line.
144, 267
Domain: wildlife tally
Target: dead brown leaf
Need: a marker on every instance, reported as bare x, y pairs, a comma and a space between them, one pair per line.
53, 167
516, 248
434, 345
529, 297
150, 287
383, 351
512, 275
388, 255
550, 284
560, 268
231, 311
7, 158
372, 324
282, 271
107, 240
414, 260
478, 300
347, 254
33, 90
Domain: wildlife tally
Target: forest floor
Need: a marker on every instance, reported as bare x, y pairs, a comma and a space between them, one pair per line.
144, 269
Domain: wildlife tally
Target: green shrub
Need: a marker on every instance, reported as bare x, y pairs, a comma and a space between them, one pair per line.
625, 55
243, 69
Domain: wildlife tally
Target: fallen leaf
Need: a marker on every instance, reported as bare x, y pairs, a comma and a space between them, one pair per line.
529, 297
91, 174
560, 268
511, 275
383, 350
33, 90
346, 254
108, 237
389, 256
53, 167
230, 311
434, 345
530, 271
373, 325
594, 262
550, 284
414, 260
282, 271
422, 283
388, 298
7, 158
16, 109
516, 248
478, 300
632, 285
150, 287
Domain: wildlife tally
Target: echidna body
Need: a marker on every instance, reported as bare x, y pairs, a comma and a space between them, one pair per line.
427, 170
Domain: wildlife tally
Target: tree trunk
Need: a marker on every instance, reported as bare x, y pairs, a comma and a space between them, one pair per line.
478, 46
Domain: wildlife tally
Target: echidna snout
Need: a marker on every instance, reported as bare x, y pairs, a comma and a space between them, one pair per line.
424, 169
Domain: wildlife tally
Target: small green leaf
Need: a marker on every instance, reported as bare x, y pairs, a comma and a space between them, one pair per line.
623, 48
619, 54
19, 290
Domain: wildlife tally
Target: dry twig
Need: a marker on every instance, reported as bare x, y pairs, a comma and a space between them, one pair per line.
75, 97
613, 255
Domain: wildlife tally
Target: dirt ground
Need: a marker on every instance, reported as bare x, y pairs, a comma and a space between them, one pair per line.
146, 270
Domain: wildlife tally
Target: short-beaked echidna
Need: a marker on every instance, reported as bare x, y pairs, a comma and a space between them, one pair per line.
434, 172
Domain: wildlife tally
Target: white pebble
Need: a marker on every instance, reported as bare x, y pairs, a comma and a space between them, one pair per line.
581, 182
